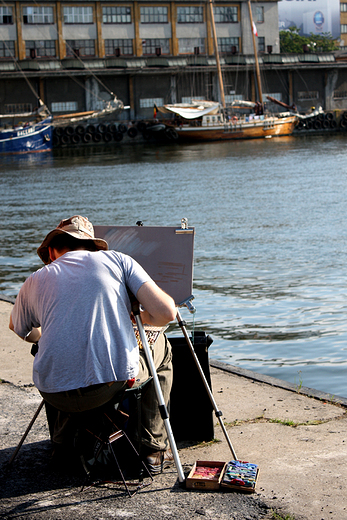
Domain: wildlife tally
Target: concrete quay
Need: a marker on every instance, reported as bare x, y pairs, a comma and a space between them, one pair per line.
297, 436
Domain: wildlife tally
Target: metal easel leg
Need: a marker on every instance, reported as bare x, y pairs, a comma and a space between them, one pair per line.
162, 406
26, 433
218, 413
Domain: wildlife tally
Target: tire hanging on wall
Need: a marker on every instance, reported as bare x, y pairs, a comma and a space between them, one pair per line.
87, 138
75, 139
122, 128
112, 128
97, 137
69, 130
101, 128
58, 130
107, 137
80, 130
90, 129
132, 131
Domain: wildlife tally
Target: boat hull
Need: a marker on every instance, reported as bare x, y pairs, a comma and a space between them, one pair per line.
255, 129
35, 137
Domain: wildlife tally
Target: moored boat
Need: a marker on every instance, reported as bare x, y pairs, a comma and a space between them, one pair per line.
26, 133
212, 121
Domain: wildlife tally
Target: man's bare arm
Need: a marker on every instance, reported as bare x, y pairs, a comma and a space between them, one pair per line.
159, 307
33, 336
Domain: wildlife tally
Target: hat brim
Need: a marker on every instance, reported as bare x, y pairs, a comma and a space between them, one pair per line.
43, 252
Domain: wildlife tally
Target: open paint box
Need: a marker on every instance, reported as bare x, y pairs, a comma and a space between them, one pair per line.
234, 475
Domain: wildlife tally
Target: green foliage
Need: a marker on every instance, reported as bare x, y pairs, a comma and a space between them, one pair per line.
292, 42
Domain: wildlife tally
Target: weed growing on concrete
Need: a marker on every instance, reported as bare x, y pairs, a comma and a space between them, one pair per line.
276, 516
299, 385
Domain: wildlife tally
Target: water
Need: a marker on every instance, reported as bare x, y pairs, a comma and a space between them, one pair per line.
270, 266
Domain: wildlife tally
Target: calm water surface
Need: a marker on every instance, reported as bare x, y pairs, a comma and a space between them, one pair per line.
270, 266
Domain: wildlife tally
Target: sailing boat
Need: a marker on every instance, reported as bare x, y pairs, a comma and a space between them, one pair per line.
208, 121
26, 132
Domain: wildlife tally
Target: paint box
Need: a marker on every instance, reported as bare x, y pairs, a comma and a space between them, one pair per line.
240, 475
205, 475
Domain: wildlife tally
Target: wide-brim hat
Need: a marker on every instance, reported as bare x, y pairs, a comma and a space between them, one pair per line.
76, 226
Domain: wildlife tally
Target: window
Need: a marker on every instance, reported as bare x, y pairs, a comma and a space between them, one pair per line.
189, 100
6, 15
228, 45
312, 94
229, 98
340, 94
7, 49
153, 14
151, 45
125, 47
190, 14
261, 43
40, 48
119, 14
80, 47
150, 102
38, 15
64, 106
259, 14
191, 46
343, 7
78, 15
224, 14
18, 108
343, 28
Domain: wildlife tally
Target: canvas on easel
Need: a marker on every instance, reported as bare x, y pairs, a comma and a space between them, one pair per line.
165, 252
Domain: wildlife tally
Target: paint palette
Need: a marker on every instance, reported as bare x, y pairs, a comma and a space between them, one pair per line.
205, 475
240, 475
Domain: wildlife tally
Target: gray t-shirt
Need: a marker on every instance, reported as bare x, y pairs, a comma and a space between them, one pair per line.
80, 300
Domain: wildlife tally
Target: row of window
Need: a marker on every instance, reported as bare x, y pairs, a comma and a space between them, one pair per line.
117, 47
122, 15
72, 106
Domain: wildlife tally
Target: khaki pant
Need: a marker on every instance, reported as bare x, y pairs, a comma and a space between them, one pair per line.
83, 399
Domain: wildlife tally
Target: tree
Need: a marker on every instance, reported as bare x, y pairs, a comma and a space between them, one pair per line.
292, 42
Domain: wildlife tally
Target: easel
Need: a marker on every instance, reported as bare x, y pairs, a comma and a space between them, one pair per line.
175, 254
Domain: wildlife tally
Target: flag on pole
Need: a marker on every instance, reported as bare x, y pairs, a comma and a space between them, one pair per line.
255, 29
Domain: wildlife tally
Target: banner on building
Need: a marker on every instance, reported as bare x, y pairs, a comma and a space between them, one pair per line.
310, 16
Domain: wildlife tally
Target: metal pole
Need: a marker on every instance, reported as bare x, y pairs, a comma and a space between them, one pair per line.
260, 93
215, 44
218, 413
26, 432
162, 406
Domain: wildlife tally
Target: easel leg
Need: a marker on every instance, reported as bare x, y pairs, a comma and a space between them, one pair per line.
26, 432
218, 413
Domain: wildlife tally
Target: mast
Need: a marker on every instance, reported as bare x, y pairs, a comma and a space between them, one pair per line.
215, 43
255, 54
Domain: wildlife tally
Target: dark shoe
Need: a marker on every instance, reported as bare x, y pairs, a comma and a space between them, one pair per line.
157, 461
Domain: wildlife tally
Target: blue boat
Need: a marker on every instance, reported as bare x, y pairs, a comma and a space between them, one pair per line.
29, 137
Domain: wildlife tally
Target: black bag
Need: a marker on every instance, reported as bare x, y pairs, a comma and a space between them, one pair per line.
191, 411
